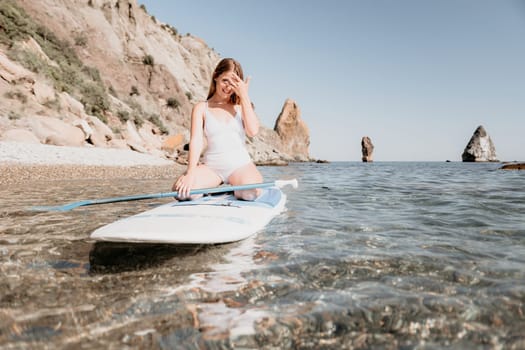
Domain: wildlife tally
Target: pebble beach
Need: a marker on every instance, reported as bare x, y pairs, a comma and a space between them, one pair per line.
23, 162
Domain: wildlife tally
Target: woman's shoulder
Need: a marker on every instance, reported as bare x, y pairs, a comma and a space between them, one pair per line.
200, 106
199, 110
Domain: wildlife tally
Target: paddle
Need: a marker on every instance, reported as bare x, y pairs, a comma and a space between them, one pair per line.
221, 189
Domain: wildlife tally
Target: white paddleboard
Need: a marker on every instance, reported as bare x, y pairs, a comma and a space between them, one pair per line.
207, 220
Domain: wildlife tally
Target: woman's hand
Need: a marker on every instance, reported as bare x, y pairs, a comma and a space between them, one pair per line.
239, 86
184, 184
250, 120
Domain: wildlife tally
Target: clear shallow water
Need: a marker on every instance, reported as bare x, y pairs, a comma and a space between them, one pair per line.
390, 255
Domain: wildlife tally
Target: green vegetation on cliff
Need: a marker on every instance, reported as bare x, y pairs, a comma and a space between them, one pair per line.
68, 73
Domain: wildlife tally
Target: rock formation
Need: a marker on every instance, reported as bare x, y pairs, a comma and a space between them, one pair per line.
293, 132
266, 148
513, 166
480, 147
367, 148
104, 74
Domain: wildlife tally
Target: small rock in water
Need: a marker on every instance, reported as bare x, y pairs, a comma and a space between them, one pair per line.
513, 166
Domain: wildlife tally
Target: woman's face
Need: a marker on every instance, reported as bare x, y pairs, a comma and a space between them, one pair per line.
223, 84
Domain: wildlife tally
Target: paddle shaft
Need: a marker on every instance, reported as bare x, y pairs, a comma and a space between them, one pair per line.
175, 193
66, 207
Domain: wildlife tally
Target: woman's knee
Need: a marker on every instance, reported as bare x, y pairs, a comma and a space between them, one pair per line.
247, 174
248, 195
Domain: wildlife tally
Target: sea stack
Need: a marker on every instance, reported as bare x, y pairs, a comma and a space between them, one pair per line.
293, 132
367, 148
480, 148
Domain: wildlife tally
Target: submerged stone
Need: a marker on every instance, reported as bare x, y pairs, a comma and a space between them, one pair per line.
513, 166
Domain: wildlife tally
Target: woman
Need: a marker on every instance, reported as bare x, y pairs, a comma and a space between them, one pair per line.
223, 119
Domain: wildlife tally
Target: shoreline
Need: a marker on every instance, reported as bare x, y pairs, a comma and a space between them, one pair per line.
37, 153
18, 173
28, 162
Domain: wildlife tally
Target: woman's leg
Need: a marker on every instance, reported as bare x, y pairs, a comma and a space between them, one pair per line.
204, 178
247, 174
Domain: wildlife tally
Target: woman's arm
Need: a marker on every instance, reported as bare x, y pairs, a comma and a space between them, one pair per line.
251, 122
185, 182
196, 136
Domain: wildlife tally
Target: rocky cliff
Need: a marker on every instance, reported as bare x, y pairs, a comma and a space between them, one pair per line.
106, 74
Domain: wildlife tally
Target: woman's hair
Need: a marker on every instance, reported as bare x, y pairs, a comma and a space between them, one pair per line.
226, 65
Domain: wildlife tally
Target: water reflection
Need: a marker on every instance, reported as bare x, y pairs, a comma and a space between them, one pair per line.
226, 317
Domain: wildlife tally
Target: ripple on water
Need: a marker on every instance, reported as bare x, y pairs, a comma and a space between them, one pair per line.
382, 255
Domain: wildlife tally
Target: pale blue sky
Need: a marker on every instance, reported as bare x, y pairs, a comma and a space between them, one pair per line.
416, 76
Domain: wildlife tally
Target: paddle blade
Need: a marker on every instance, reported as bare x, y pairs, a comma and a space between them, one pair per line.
65, 207
282, 183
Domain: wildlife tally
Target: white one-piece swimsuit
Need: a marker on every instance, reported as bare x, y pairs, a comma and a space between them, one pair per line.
226, 151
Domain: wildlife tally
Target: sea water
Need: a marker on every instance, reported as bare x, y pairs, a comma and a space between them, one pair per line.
419, 255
